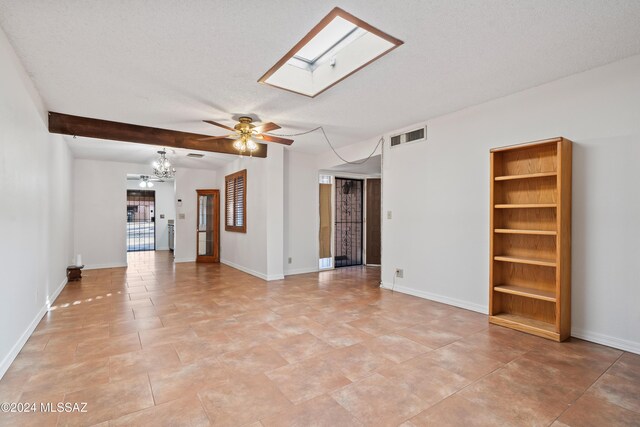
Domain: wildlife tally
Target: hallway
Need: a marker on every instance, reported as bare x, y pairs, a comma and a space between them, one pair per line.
199, 344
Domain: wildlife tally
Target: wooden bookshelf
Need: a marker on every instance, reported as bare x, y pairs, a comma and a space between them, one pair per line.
530, 242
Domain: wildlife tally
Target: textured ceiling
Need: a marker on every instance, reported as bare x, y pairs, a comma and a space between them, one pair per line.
115, 151
170, 64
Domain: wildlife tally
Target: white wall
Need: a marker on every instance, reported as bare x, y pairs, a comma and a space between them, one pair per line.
36, 214
259, 251
438, 192
187, 182
100, 210
301, 207
165, 204
100, 200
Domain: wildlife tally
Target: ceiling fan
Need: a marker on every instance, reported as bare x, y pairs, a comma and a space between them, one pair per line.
245, 131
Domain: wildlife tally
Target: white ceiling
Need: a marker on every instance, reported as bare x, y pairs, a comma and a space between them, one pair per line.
116, 151
370, 167
171, 64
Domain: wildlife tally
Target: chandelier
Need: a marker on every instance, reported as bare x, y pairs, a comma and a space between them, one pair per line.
162, 167
144, 182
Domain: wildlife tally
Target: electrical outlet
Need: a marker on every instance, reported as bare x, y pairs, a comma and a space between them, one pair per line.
388, 214
290, 259
399, 273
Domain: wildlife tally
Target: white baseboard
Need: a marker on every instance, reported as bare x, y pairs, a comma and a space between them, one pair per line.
15, 350
594, 337
438, 298
607, 340
110, 265
301, 271
176, 260
54, 295
252, 272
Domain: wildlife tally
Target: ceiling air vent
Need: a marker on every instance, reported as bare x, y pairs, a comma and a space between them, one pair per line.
415, 135
195, 155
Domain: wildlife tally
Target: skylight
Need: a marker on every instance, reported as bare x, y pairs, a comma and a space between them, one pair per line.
330, 36
337, 47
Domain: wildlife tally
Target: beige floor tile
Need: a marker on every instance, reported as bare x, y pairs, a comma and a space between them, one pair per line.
300, 347
322, 411
457, 411
254, 360
619, 390
308, 379
185, 412
243, 399
125, 365
590, 411
186, 380
108, 401
425, 378
395, 347
375, 400
458, 359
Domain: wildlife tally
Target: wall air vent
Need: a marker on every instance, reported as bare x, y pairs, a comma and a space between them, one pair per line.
415, 135
195, 155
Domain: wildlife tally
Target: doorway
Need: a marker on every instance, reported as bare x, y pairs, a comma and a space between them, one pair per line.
348, 222
141, 226
208, 232
373, 222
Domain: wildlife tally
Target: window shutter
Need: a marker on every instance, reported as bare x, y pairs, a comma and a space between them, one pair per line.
239, 216
235, 201
229, 202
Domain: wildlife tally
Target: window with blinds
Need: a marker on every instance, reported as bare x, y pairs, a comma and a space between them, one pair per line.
236, 202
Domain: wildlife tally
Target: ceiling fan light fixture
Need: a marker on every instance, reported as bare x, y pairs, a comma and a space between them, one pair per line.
144, 182
245, 131
239, 145
251, 145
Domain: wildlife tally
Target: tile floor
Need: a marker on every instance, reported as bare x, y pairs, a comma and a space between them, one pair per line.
196, 345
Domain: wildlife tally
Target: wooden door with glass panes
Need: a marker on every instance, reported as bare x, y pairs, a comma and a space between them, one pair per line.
208, 226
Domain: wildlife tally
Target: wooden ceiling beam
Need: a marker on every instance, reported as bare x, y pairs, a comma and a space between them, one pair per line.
103, 129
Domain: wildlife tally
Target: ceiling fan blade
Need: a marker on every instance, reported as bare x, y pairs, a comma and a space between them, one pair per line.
266, 127
211, 138
211, 122
275, 139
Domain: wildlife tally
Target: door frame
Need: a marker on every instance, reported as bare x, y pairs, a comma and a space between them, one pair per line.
366, 223
216, 225
151, 217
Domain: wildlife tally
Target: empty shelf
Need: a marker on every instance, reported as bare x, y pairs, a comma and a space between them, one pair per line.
531, 261
526, 206
525, 324
525, 176
516, 231
526, 292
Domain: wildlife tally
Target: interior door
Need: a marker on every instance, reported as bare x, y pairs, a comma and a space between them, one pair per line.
373, 222
208, 232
